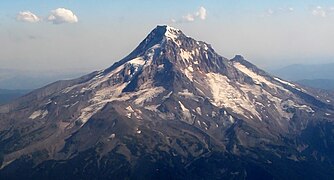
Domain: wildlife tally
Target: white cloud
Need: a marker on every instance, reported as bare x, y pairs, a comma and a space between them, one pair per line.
331, 9
189, 18
27, 16
319, 11
271, 11
200, 14
290, 9
62, 15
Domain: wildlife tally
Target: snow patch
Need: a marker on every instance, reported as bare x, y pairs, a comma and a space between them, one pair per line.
161, 66
191, 69
213, 114
137, 61
186, 93
205, 124
206, 55
101, 98
129, 108
146, 95
131, 111
289, 103
206, 47
35, 114
186, 112
138, 114
39, 113
114, 93
75, 103
112, 136
183, 107
231, 119
188, 74
284, 82
153, 108
228, 96
167, 96
48, 102
186, 55
198, 110
289, 84
260, 104
171, 33
256, 78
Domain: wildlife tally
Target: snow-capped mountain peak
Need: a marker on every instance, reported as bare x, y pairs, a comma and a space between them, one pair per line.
177, 99
172, 33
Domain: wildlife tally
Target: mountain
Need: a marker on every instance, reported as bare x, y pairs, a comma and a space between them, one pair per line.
172, 109
326, 84
312, 75
15, 79
306, 71
7, 95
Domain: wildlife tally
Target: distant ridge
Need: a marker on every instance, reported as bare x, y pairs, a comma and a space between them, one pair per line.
303, 71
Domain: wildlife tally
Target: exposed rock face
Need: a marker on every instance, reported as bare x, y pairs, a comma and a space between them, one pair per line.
172, 109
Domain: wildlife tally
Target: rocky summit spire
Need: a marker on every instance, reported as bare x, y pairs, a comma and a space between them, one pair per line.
159, 35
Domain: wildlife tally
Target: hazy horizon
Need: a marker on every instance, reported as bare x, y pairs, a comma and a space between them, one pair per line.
88, 36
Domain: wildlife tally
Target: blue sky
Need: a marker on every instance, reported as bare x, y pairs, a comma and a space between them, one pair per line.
90, 35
